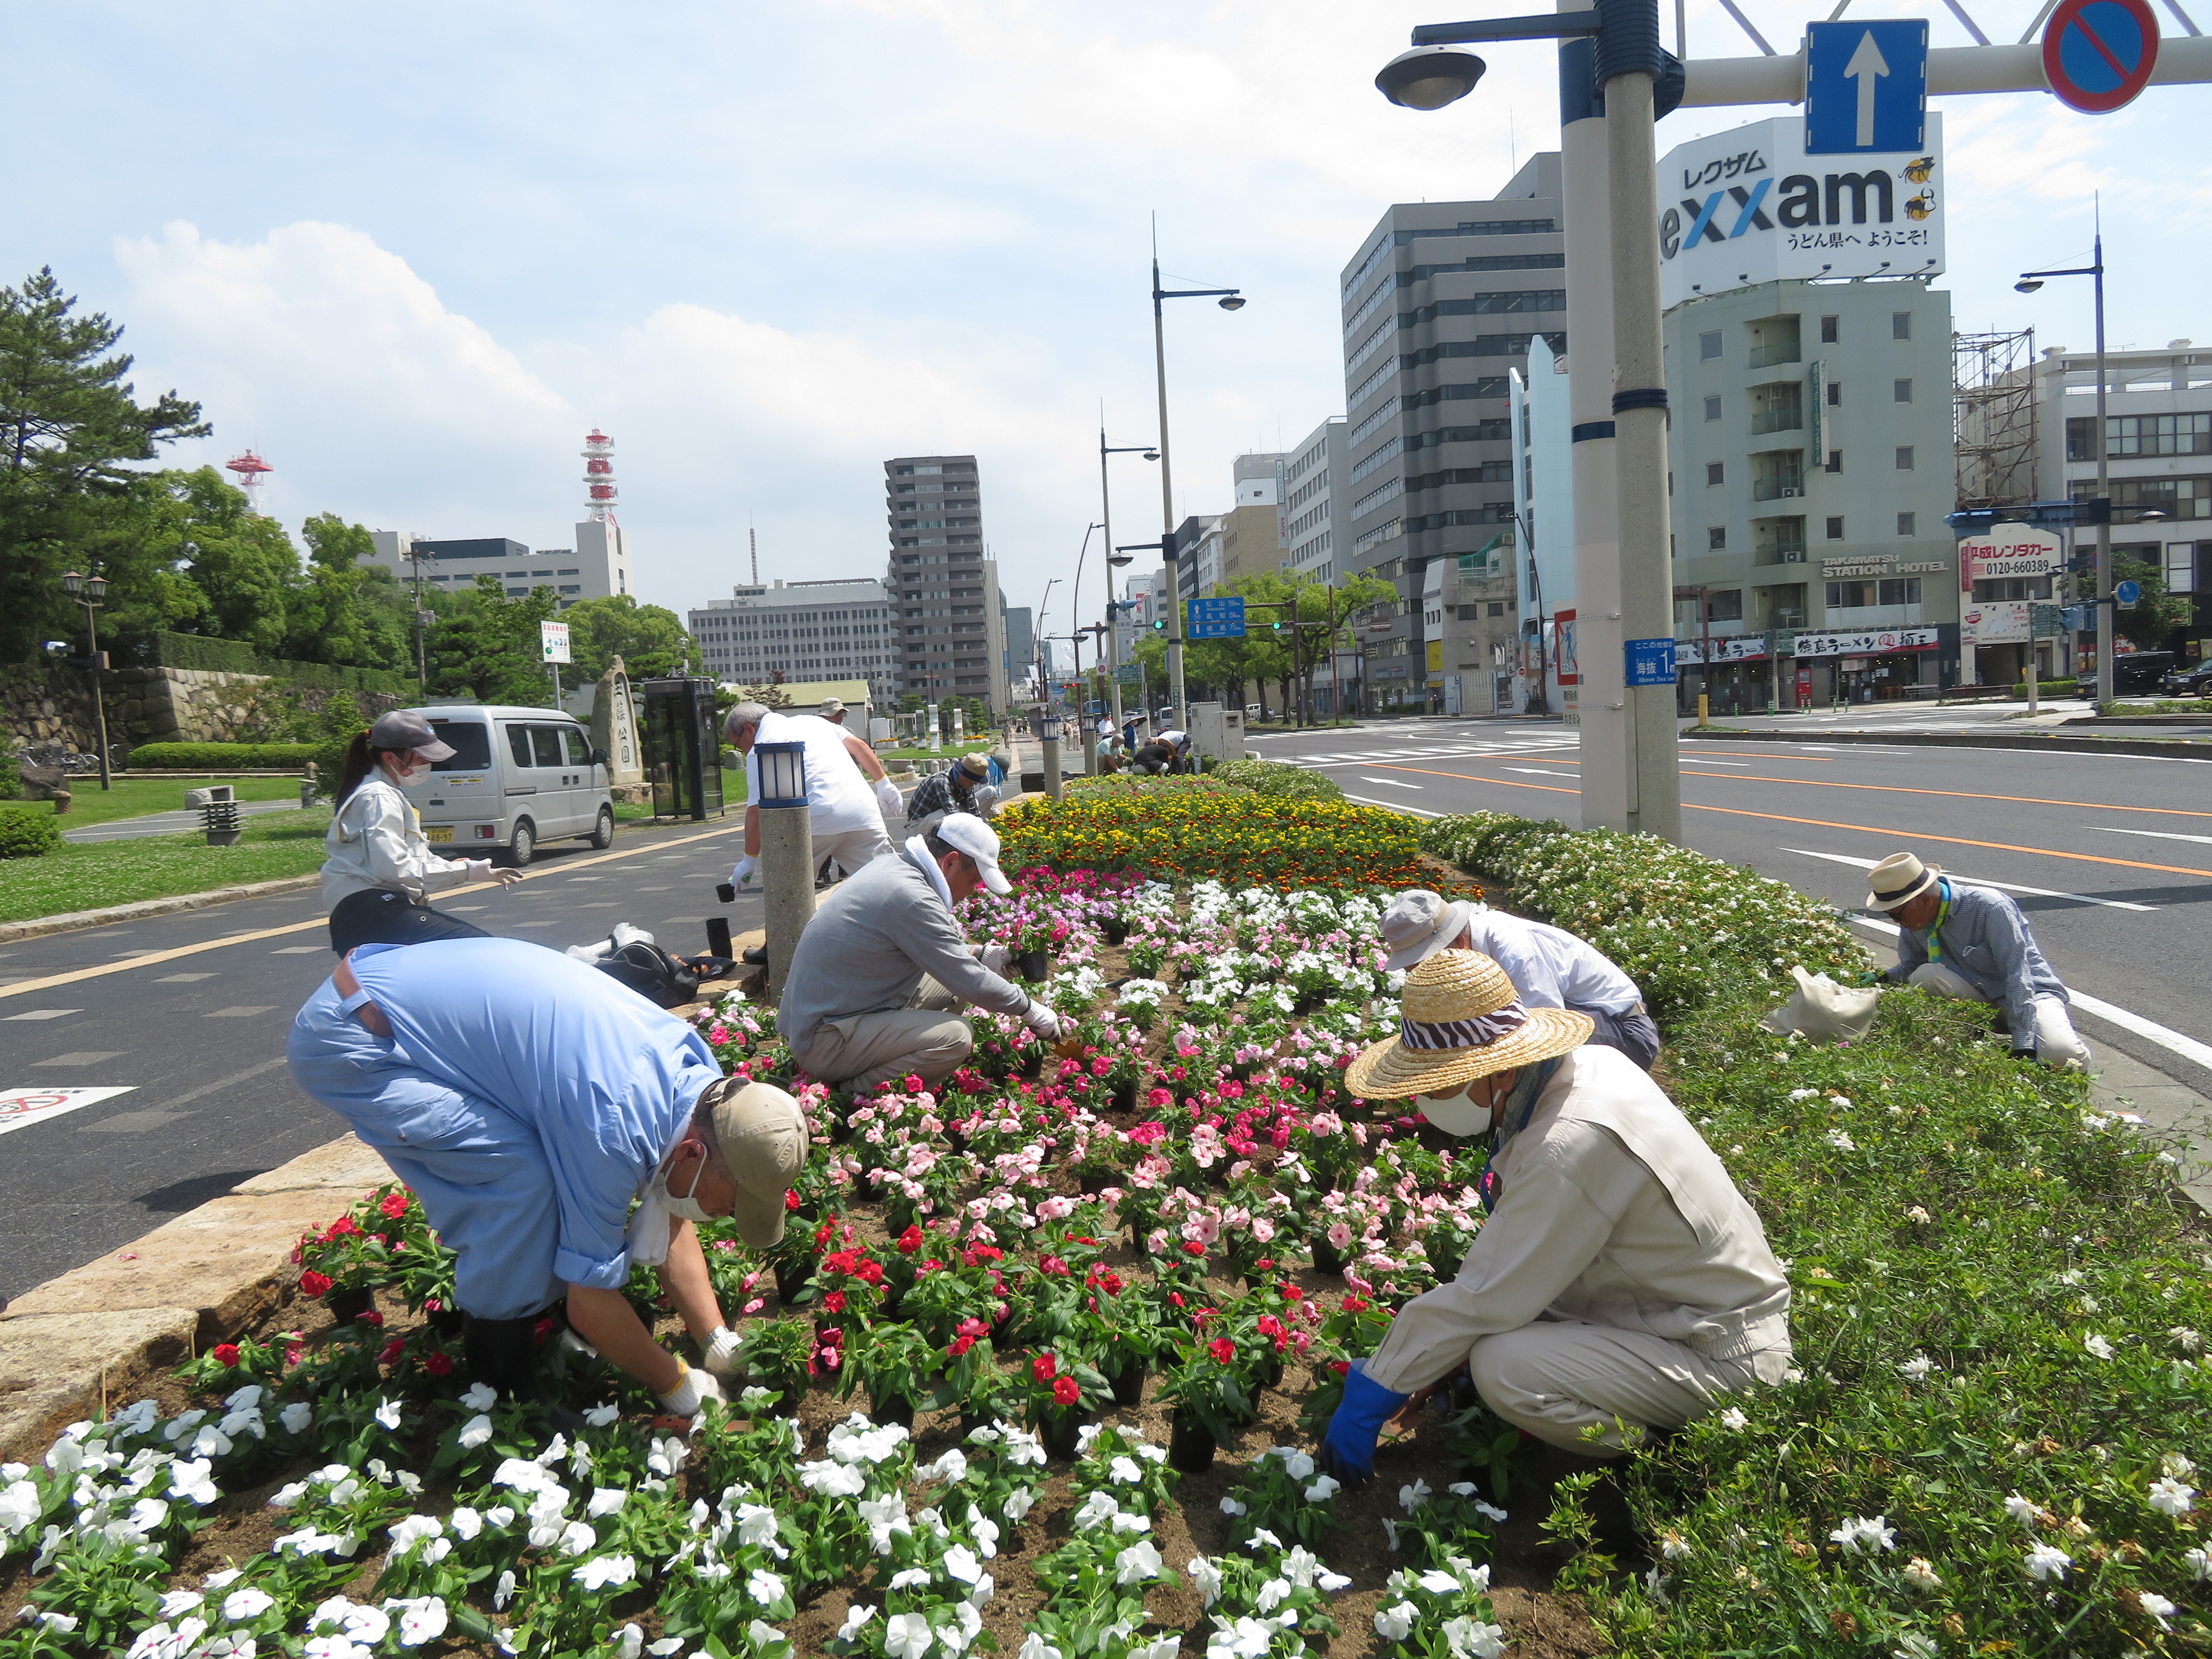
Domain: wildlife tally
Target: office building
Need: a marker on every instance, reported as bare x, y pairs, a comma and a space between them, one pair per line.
1021, 644
946, 590
1439, 305
1811, 464
1543, 543
1252, 530
597, 567
827, 630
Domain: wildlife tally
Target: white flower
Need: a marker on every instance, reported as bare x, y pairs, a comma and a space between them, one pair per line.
1396, 1624
319, 1647
356, 1623
1863, 1535
474, 1432
951, 1466
1921, 1575
1099, 1506
503, 1592
1136, 1563
387, 1413
606, 1500
1672, 1546
2047, 1561
602, 1571
1734, 1418
764, 1587
1205, 1578
1296, 1463
2020, 1510
192, 1478
1437, 1581
421, 1619
412, 1531
19, 1506
1842, 1142
479, 1397
833, 1479
1125, 1470
856, 1618
960, 1562
178, 1602
2098, 1347
1262, 1539
1471, 1638
629, 1642
1324, 1488
907, 1636
1916, 1368
1273, 1594
1412, 1498
1918, 1214
1018, 1505
1229, 1506
2185, 1339
667, 1455
600, 1416
242, 1605
2156, 1605
576, 1539
1036, 1647
2171, 1497
465, 1522
2199, 1562
297, 1417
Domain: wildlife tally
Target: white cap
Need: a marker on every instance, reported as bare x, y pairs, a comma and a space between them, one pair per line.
979, 842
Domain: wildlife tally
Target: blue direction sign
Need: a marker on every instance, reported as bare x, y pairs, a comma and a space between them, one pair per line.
1217, 619
1866, 87
1649, 662
2099, 54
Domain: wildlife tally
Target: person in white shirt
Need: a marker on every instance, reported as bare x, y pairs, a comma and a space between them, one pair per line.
1621, 1283
845, 814
381, 870
1550, 967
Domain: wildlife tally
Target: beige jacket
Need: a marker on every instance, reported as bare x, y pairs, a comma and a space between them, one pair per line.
1614, 1212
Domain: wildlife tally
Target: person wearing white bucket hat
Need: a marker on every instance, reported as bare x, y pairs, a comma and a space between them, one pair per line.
1972, 943
1549, 966
1621, 1283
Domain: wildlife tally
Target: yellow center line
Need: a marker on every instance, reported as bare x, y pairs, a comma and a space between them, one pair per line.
77, 974
1861, 828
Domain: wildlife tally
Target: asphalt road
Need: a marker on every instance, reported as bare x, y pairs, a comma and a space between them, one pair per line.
2110, 855
190, 1013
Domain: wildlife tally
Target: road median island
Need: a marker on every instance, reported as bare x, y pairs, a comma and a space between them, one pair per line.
1091, 1310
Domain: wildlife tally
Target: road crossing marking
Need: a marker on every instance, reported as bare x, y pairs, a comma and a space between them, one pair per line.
2162, 834
1975, 881
1393, 783
1395, 806
1539, 772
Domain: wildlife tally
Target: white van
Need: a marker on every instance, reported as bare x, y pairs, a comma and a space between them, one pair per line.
516, 777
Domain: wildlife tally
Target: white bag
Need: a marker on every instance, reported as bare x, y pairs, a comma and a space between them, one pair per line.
1824, 1010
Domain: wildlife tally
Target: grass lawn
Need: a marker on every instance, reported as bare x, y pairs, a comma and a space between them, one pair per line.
134, 797
75, 877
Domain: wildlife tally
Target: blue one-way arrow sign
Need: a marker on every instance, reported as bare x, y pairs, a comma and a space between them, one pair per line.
1866, 87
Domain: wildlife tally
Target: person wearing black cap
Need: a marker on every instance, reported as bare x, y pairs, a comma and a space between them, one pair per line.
381, 870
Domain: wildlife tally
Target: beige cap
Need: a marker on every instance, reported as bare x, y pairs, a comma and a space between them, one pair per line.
762, 1134
1420, 923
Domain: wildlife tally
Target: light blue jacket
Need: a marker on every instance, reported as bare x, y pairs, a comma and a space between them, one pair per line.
1984, 940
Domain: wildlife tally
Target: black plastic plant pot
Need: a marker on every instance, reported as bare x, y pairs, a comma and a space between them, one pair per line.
892, 1408
1058, 1431
1128, 1383
791, 1278
348, 1305
1034, 966
446, 1321
1115, 929
1190, 1447
1094, 1182
1326, 1259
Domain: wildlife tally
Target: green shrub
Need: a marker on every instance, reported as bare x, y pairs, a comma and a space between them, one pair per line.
11, 775
26, 834
1276, 780
1136, 783
224, 757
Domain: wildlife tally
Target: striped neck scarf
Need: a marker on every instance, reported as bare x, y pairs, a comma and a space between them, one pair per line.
1935, 928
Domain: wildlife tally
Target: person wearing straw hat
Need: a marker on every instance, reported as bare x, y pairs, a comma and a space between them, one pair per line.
1549, 966
1620, 1285
528, 1099
1972, 943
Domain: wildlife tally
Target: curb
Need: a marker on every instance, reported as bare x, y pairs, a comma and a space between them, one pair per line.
193, 1281
2054, 746
69, 921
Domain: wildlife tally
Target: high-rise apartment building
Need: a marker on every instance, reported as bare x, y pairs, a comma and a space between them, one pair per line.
1439, 305
947, 591
827, 630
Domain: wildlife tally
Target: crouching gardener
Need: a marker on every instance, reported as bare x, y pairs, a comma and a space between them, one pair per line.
882, 969
1619, 1283
527, 1098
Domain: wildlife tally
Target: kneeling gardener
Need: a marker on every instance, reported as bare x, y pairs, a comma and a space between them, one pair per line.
1620, 1284
527, 1099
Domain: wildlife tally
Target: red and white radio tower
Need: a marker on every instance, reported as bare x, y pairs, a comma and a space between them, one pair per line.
251, 469
599, 492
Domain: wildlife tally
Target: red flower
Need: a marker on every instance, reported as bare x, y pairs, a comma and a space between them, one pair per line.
1175, 1296
315, 1283
835, 1301
1052, 1264
372, 1317
1340, 1366
1291, 1292
394, 1205
1270, 1326
971, 1328
961, 1345
871, 1270
1044, 1367
340, 1228
431, 1304
1354, 1304
1222, 1349
1065, 1393
790, 1198
438, 1364
391, 1352
915, 1085
1192, 1247
910, 1240
542, 1329
226, 1353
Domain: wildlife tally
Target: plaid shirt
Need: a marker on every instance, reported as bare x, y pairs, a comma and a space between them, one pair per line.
939, 793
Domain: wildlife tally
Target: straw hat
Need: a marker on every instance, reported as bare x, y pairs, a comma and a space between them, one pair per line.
1897, 880
1460, 1018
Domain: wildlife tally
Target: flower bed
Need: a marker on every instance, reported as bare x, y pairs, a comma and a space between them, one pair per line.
1236, 838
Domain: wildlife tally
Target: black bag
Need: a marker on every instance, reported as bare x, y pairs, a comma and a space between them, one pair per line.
654, 975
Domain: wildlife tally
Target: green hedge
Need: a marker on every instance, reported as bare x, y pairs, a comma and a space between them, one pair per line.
224, 757
25, 834
1276, 780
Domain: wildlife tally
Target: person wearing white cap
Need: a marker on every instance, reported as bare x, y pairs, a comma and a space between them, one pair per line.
1972, 943
380, 871
883, 966
1549, 966
1620, 1284
528, 1099
845, 816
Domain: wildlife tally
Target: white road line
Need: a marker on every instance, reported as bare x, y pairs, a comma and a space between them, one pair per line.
2188, 1047
2161, 834
1396, 806
1393, 783
1539, 772
1699, 760
1975, 881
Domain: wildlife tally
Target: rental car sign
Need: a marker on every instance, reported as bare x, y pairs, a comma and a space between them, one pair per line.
1749, 206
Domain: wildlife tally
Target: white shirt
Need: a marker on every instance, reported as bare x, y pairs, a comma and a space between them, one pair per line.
1550, 967
1175, 739
375, 841
838, 797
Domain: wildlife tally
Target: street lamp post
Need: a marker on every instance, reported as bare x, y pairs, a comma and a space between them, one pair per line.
2101, 632
91, 592
1230, 299
1117, 557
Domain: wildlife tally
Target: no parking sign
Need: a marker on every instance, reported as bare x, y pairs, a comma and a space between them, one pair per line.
2099, 54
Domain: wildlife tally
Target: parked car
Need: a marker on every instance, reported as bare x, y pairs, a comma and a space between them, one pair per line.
2135, 674
516, 777
2194, 680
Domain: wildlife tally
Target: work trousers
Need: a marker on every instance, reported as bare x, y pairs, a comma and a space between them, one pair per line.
851, 848
925, 1039
384, 915
1634, 1033
2057, 1043
1597, 1389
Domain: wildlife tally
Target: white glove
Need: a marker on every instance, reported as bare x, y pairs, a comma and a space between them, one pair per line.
722, 1351
888, 799
1045, 1022
995, 958
693, 1389
743, 873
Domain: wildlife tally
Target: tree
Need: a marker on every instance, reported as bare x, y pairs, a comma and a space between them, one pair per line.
2152, 622
346, 612
244, 564
69, 423
648, 638
485, 647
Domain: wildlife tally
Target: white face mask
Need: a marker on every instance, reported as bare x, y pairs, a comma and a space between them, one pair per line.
688, 1207
413, 771
1469, 1112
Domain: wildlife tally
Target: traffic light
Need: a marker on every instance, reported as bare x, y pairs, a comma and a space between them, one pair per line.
1159, 624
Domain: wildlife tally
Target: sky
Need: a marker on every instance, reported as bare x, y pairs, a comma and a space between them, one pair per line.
412, 253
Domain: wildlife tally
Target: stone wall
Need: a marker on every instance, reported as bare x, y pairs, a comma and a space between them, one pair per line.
39, 705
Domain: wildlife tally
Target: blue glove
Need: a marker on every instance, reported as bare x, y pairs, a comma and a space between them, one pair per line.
1348, 1451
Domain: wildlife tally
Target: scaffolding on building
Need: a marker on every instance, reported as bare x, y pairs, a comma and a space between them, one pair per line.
1993, 418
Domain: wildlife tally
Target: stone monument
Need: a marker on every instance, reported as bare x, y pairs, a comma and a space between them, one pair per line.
614, 728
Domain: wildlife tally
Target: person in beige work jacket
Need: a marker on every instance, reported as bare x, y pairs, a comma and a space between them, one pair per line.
1619, 1283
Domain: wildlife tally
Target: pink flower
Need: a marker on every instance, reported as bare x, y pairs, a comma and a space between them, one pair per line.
755, 1305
